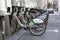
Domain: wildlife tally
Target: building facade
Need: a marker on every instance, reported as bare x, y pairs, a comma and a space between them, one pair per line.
42, 4
57, 4
58, 1
35, 3
31, 3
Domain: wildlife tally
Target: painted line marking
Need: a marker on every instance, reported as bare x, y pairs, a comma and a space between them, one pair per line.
55, 30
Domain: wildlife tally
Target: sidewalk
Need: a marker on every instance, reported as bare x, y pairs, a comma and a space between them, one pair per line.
16, 35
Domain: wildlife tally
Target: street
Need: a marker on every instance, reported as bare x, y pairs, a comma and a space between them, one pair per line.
52, 31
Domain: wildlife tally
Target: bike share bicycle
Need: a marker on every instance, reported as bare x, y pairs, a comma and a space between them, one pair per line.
14, 25
35, 24
38, 21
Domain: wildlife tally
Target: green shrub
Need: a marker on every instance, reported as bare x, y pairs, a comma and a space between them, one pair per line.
49, 5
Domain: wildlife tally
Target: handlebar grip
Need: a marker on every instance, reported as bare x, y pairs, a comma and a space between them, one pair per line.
13, 8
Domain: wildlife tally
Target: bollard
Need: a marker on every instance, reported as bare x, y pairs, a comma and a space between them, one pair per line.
1, 37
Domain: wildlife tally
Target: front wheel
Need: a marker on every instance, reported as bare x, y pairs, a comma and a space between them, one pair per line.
13, 26
39, 30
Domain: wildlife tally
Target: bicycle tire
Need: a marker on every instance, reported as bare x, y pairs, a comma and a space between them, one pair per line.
13, 26
42, 31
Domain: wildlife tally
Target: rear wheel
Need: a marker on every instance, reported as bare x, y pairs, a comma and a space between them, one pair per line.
39, 30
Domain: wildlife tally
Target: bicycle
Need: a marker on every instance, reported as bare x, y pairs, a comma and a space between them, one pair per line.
36, 25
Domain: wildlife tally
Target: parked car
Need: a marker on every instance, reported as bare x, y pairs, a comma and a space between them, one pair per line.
50, 10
